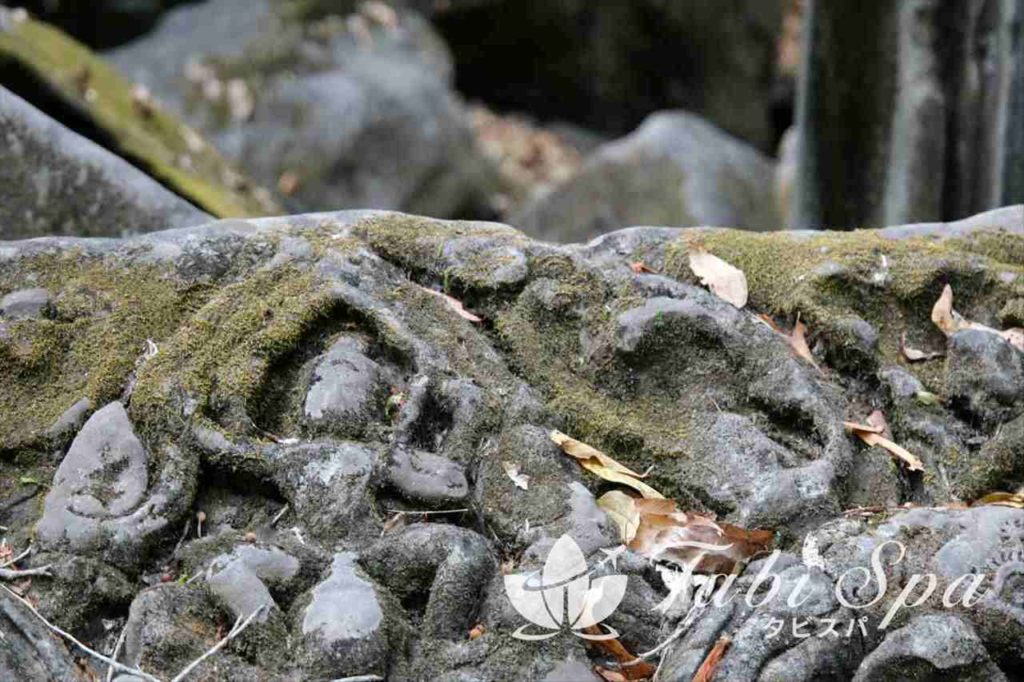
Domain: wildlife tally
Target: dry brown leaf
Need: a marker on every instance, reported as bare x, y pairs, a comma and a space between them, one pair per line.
690, 539
392, 523
639, 268
616, 476
797, 339
520, 479
915, 355
950, 321
1015, 500
582, 451
610, 675
725, 281
477, 631
621, 508
871, 434
630, 667
1015, 336
707, 669
454, 304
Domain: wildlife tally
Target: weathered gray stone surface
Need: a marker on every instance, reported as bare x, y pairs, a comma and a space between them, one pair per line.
350, 112
344, 626
57, 182
675, 169
209, 416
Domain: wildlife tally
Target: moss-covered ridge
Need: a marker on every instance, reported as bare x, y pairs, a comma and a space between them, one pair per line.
139, 129
191, 325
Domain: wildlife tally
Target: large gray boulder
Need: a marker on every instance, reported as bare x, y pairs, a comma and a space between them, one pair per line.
676, 169
199, 478
337, 111
53, 181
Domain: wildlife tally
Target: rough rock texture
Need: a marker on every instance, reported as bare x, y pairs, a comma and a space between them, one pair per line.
190, 354
925, 122
69, 83
56, 182
676, 169
336, 111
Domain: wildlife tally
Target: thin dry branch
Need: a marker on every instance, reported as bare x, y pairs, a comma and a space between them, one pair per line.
236, 630
66, 635
19, 573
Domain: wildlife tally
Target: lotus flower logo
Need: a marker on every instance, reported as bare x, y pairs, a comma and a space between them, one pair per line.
564, 596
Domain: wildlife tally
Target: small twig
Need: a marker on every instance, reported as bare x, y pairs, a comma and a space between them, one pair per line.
15, 574
359, 678
277, 517
9, 562
184, 534
117, 651
417, 512
53, 628
236, 630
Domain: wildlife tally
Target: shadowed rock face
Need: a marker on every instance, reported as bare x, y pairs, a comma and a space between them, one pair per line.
242, 366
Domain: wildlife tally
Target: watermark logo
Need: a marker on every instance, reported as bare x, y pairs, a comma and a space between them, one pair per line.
564, 595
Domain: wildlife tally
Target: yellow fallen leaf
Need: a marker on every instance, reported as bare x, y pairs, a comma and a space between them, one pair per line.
622, 510
615, 476
943, 315
582, 451
725, 281
1015, 500
871, 434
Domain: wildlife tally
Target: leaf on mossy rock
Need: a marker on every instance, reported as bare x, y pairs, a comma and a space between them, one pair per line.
915, 355
950, 321
517, 477
725, 281
871, 434
600, 464
693, 540
1015, 500
797, 339
455, 304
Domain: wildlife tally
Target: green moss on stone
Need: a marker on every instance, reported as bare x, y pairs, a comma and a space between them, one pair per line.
155, 141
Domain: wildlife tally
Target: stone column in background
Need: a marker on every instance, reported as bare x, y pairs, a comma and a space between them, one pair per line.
908, 111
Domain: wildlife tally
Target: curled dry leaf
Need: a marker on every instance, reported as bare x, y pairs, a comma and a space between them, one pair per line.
707, 669
639, 268
520, 479
454, 304
600, 464
1015, 500
477, 631
724, 280
915, 355
797, 339
622, 510
630, 667
950, 321
871, 433
693, 540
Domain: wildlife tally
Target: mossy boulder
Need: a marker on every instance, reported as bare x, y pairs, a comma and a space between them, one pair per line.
207, 334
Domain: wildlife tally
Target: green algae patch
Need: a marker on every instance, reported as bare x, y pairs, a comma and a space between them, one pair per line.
103, 315
139, 131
